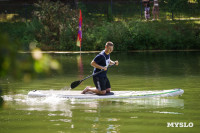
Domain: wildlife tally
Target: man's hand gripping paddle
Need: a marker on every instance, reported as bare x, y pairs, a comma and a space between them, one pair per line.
76, 83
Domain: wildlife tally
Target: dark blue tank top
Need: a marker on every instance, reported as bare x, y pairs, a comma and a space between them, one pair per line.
102, 59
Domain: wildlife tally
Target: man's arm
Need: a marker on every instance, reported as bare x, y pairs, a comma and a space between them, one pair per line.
114, 62
94, 64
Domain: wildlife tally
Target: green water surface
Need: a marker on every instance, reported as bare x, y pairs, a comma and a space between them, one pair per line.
136, 71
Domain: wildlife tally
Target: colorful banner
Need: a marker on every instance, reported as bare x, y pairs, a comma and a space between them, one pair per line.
79, 38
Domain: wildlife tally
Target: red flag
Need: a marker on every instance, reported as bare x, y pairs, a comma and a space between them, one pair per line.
79, 38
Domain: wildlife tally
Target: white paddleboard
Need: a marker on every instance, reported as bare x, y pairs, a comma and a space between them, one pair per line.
113, 94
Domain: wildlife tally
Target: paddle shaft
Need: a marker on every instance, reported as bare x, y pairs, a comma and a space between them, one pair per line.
95, 74
76, 83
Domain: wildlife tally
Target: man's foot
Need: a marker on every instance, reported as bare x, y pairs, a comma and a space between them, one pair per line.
85, 90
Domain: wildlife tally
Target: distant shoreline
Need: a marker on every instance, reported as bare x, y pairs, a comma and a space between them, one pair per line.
85, 52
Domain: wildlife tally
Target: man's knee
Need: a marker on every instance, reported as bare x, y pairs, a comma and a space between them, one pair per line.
108, 90
103, 92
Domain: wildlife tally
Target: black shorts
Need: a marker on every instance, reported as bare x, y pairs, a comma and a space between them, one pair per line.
101, 83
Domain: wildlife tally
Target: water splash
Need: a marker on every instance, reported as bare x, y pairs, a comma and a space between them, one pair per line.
54, 103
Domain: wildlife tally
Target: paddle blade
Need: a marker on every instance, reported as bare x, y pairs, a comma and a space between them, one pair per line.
75, 84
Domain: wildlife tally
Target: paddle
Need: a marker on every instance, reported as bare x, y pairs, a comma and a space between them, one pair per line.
76, 83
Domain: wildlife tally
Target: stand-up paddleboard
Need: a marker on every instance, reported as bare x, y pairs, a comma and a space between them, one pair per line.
113, 94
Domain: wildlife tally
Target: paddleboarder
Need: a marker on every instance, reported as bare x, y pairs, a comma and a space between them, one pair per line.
101, 62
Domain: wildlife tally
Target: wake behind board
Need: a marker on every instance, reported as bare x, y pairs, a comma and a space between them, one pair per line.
113, 94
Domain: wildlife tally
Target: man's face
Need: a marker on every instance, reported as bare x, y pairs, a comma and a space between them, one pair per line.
108, 49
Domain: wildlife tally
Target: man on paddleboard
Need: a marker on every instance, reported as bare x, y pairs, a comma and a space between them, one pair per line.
101, 62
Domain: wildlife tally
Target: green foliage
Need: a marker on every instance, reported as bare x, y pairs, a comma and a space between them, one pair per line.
8, 52
55, 27
177, 4
164, 35
130, 35
25, 33
57, 20
15, 65
139, 35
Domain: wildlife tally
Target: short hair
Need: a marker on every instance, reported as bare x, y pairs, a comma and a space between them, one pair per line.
109, 43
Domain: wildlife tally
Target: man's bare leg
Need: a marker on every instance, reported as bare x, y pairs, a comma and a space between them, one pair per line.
88, 89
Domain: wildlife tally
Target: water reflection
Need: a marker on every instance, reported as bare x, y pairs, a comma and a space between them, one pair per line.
165, 112
1, 99
80, 66
90, 105
68, 113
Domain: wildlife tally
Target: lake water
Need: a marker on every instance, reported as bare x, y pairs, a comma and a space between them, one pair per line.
136, 71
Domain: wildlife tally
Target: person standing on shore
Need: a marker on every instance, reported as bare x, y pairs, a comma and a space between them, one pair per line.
155, 10
146, 9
